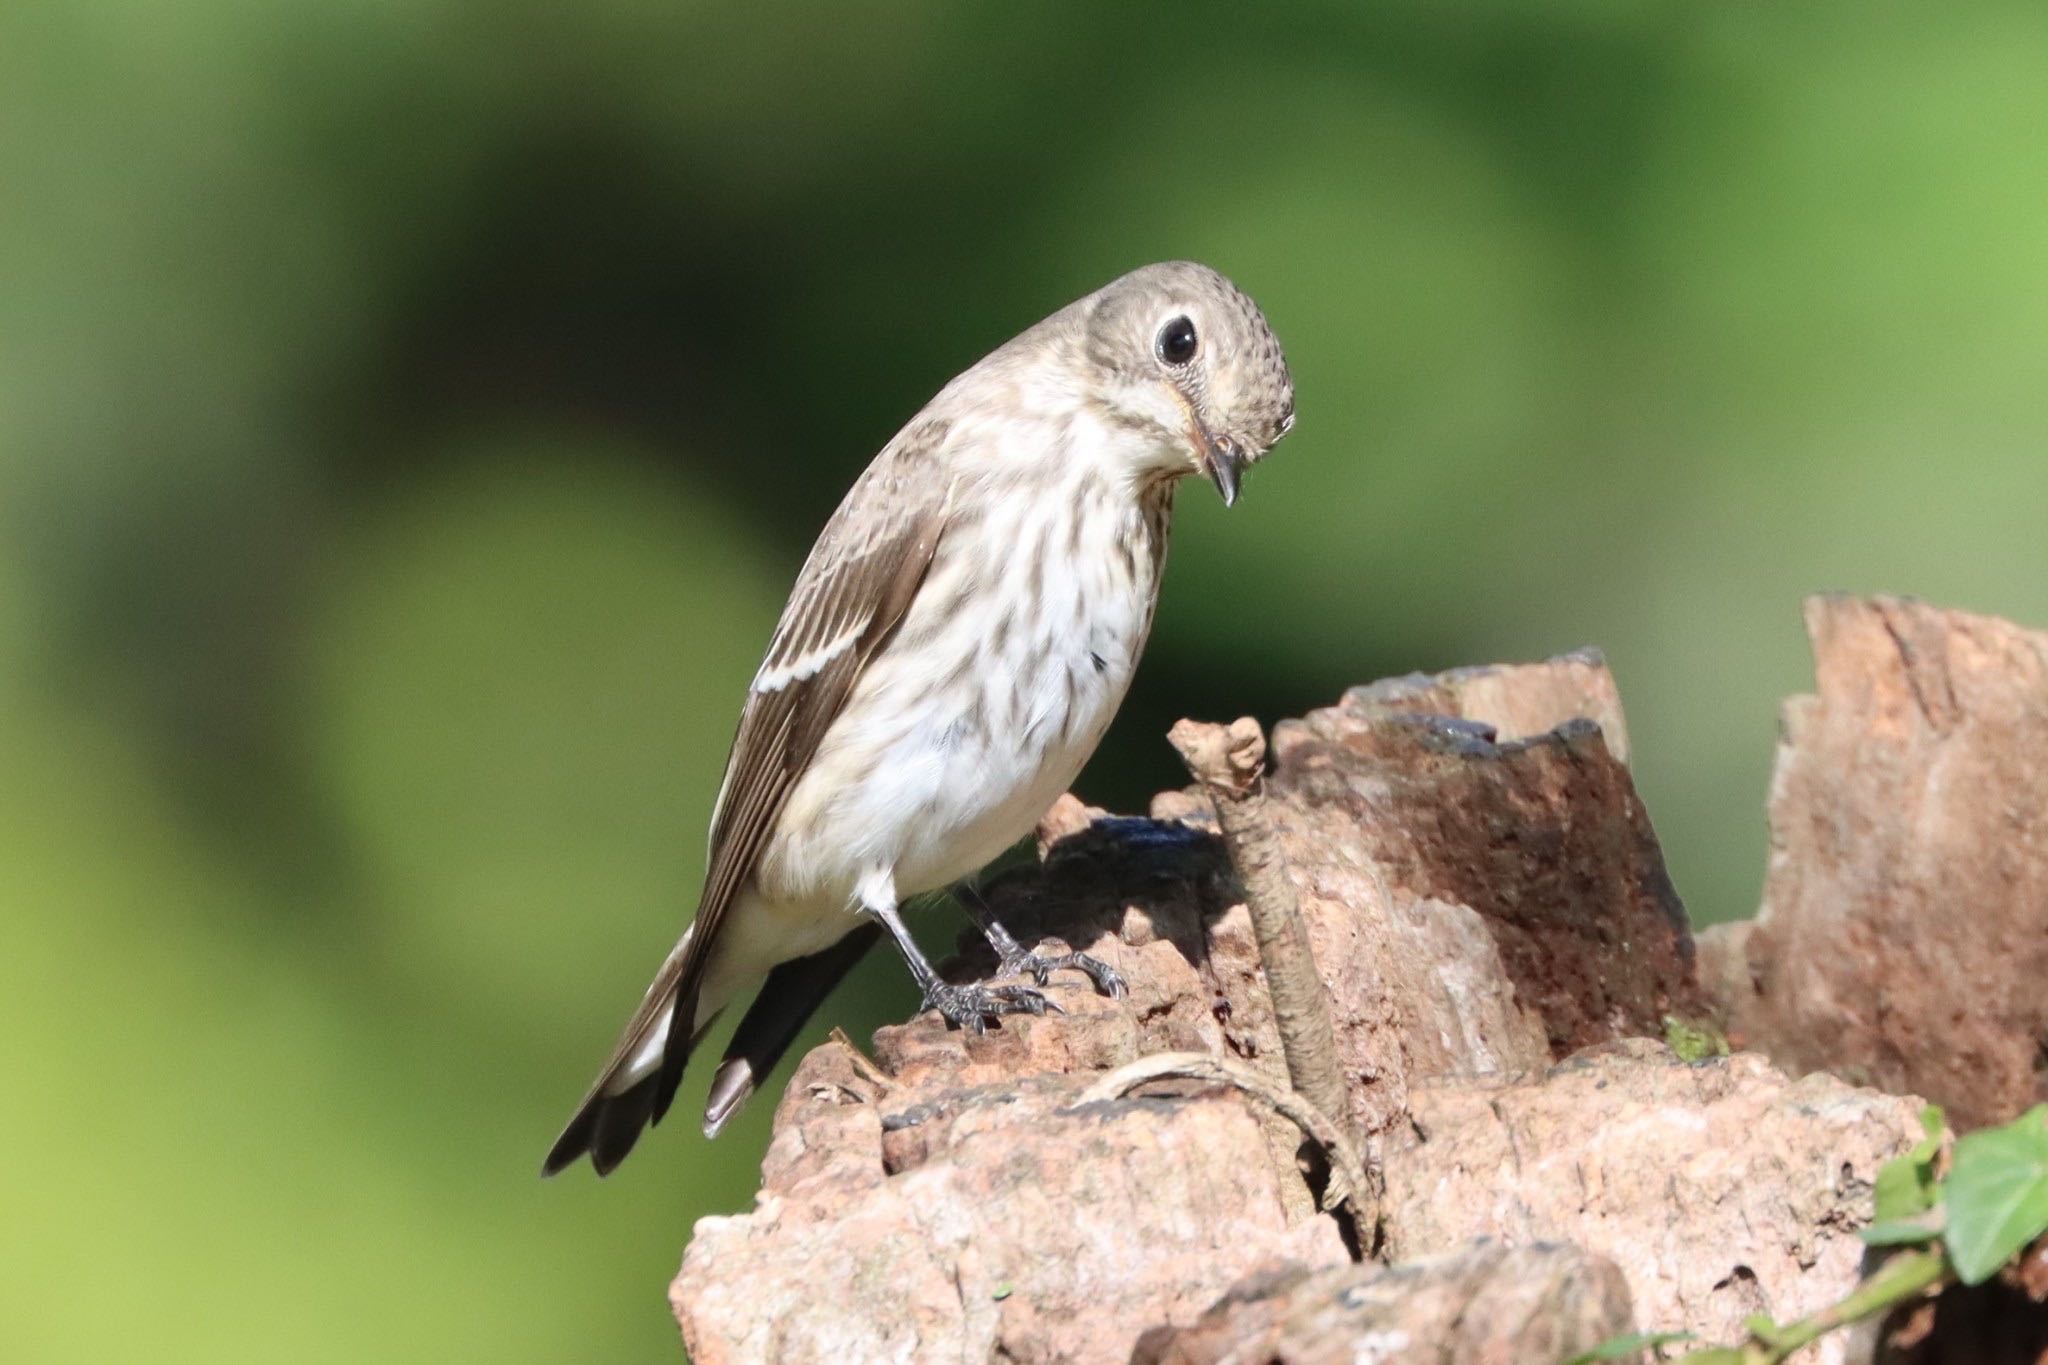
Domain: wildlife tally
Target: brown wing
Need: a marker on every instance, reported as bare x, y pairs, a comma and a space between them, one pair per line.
860, 579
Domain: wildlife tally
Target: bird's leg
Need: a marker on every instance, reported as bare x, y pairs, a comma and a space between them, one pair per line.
1014, 959
968, 1007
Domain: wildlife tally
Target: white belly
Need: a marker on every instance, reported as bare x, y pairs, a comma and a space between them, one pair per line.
972, 722
977, 793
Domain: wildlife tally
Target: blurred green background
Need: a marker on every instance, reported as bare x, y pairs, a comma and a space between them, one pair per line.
412, 412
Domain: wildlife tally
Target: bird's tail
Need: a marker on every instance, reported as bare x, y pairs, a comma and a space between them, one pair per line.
637, 1084
792, 992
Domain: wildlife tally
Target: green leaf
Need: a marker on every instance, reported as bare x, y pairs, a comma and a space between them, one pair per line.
1003, 1291
1923, 1227
1905, 1190
1620, 1348
1719, 1355
1997, 1194
1905, 1184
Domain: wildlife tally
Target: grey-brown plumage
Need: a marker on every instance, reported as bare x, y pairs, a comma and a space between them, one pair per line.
953, 649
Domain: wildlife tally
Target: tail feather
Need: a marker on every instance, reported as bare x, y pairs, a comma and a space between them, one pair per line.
792, 992
638, 1084
618, 1122
631, 1094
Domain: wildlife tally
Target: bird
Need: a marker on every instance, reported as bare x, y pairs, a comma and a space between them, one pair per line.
956, 644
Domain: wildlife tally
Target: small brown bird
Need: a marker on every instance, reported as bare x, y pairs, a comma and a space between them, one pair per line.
960, 637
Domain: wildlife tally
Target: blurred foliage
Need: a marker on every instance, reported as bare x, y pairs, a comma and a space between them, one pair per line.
412, 413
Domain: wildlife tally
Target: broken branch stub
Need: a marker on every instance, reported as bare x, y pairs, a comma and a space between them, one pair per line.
1903, 937
1542, 835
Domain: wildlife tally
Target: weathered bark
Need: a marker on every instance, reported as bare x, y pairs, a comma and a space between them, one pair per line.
1721, 1188
1542, 835
970, 1223
1516, 701
1484, 897
1903, 938
1488, 1306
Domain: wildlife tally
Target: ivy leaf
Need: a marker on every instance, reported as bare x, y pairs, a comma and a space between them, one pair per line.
1997, 1194
1924, 1226
1621, 1348
1905, 1184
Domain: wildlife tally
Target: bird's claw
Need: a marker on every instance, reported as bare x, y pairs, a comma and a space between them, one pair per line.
1040, 967
971, 1007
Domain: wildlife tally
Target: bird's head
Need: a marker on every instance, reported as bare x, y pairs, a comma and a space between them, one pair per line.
1183, 358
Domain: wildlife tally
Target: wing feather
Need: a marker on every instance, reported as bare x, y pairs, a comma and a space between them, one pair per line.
856, 586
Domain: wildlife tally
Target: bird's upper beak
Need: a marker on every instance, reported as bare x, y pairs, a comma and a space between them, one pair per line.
1222, 461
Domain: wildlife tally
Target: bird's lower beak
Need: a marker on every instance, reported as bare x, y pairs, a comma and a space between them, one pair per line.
1222, 462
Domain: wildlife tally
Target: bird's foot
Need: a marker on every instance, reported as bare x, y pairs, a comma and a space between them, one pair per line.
971, 1007
1040, 967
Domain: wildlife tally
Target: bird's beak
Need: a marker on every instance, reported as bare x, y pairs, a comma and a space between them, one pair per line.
1221, 461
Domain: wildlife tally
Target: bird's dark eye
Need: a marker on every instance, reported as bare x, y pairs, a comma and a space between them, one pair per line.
1177, 341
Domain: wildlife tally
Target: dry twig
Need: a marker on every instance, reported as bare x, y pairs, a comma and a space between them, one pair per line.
1348, 1171
1229, 763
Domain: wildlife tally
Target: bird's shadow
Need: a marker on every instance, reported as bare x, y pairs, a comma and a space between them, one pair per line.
1093, 882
